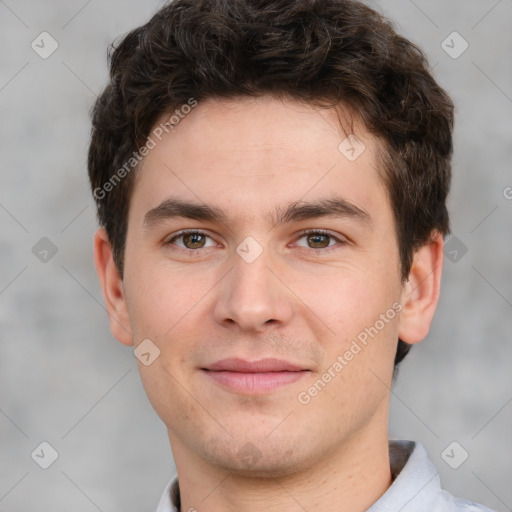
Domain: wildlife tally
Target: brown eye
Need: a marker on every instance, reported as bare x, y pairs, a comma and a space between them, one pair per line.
190, 240
318, 240
193, 240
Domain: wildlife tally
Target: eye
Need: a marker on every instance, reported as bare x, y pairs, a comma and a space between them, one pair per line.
319, 239
191, 240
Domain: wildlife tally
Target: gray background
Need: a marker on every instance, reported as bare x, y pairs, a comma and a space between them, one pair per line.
65, 380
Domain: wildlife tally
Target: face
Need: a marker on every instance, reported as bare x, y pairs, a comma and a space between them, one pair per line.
277, 318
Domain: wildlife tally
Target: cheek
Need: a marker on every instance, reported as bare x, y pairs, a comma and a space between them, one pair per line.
360, 310
173, 401
348, 301
159, 297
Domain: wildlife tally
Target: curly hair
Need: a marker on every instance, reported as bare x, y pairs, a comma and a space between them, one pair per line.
324, 52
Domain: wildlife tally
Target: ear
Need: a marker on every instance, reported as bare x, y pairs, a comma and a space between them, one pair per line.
113, 289
420, 293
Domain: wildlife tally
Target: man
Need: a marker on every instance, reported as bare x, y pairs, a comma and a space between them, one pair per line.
271, 179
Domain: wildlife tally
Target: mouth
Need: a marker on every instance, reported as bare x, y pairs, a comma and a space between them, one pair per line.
256, 377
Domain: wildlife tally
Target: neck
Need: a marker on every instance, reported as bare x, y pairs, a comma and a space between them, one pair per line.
351, 479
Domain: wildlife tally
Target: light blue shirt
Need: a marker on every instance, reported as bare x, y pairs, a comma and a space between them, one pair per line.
416, 486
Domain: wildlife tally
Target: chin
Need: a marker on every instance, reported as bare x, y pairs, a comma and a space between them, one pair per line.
259, 458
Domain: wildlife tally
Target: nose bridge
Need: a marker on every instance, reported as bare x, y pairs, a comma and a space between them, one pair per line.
251, 295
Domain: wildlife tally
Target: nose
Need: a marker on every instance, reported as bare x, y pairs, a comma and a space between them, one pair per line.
252, 297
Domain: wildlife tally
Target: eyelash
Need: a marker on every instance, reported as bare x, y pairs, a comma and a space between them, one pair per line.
302, 234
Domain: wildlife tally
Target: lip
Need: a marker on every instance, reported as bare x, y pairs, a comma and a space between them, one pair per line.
236, 364
254, 377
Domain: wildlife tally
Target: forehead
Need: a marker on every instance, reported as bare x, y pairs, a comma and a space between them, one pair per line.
252, 155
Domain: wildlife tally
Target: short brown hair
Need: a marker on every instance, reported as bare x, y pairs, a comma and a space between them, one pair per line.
317, 51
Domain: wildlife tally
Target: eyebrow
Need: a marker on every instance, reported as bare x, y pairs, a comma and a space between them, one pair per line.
295, 211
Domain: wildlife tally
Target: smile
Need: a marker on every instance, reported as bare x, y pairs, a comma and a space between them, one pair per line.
253, 378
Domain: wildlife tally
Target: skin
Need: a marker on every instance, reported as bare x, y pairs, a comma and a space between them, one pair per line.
296, 301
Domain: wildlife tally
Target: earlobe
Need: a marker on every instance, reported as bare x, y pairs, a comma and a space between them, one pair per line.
420, 294
112, 286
